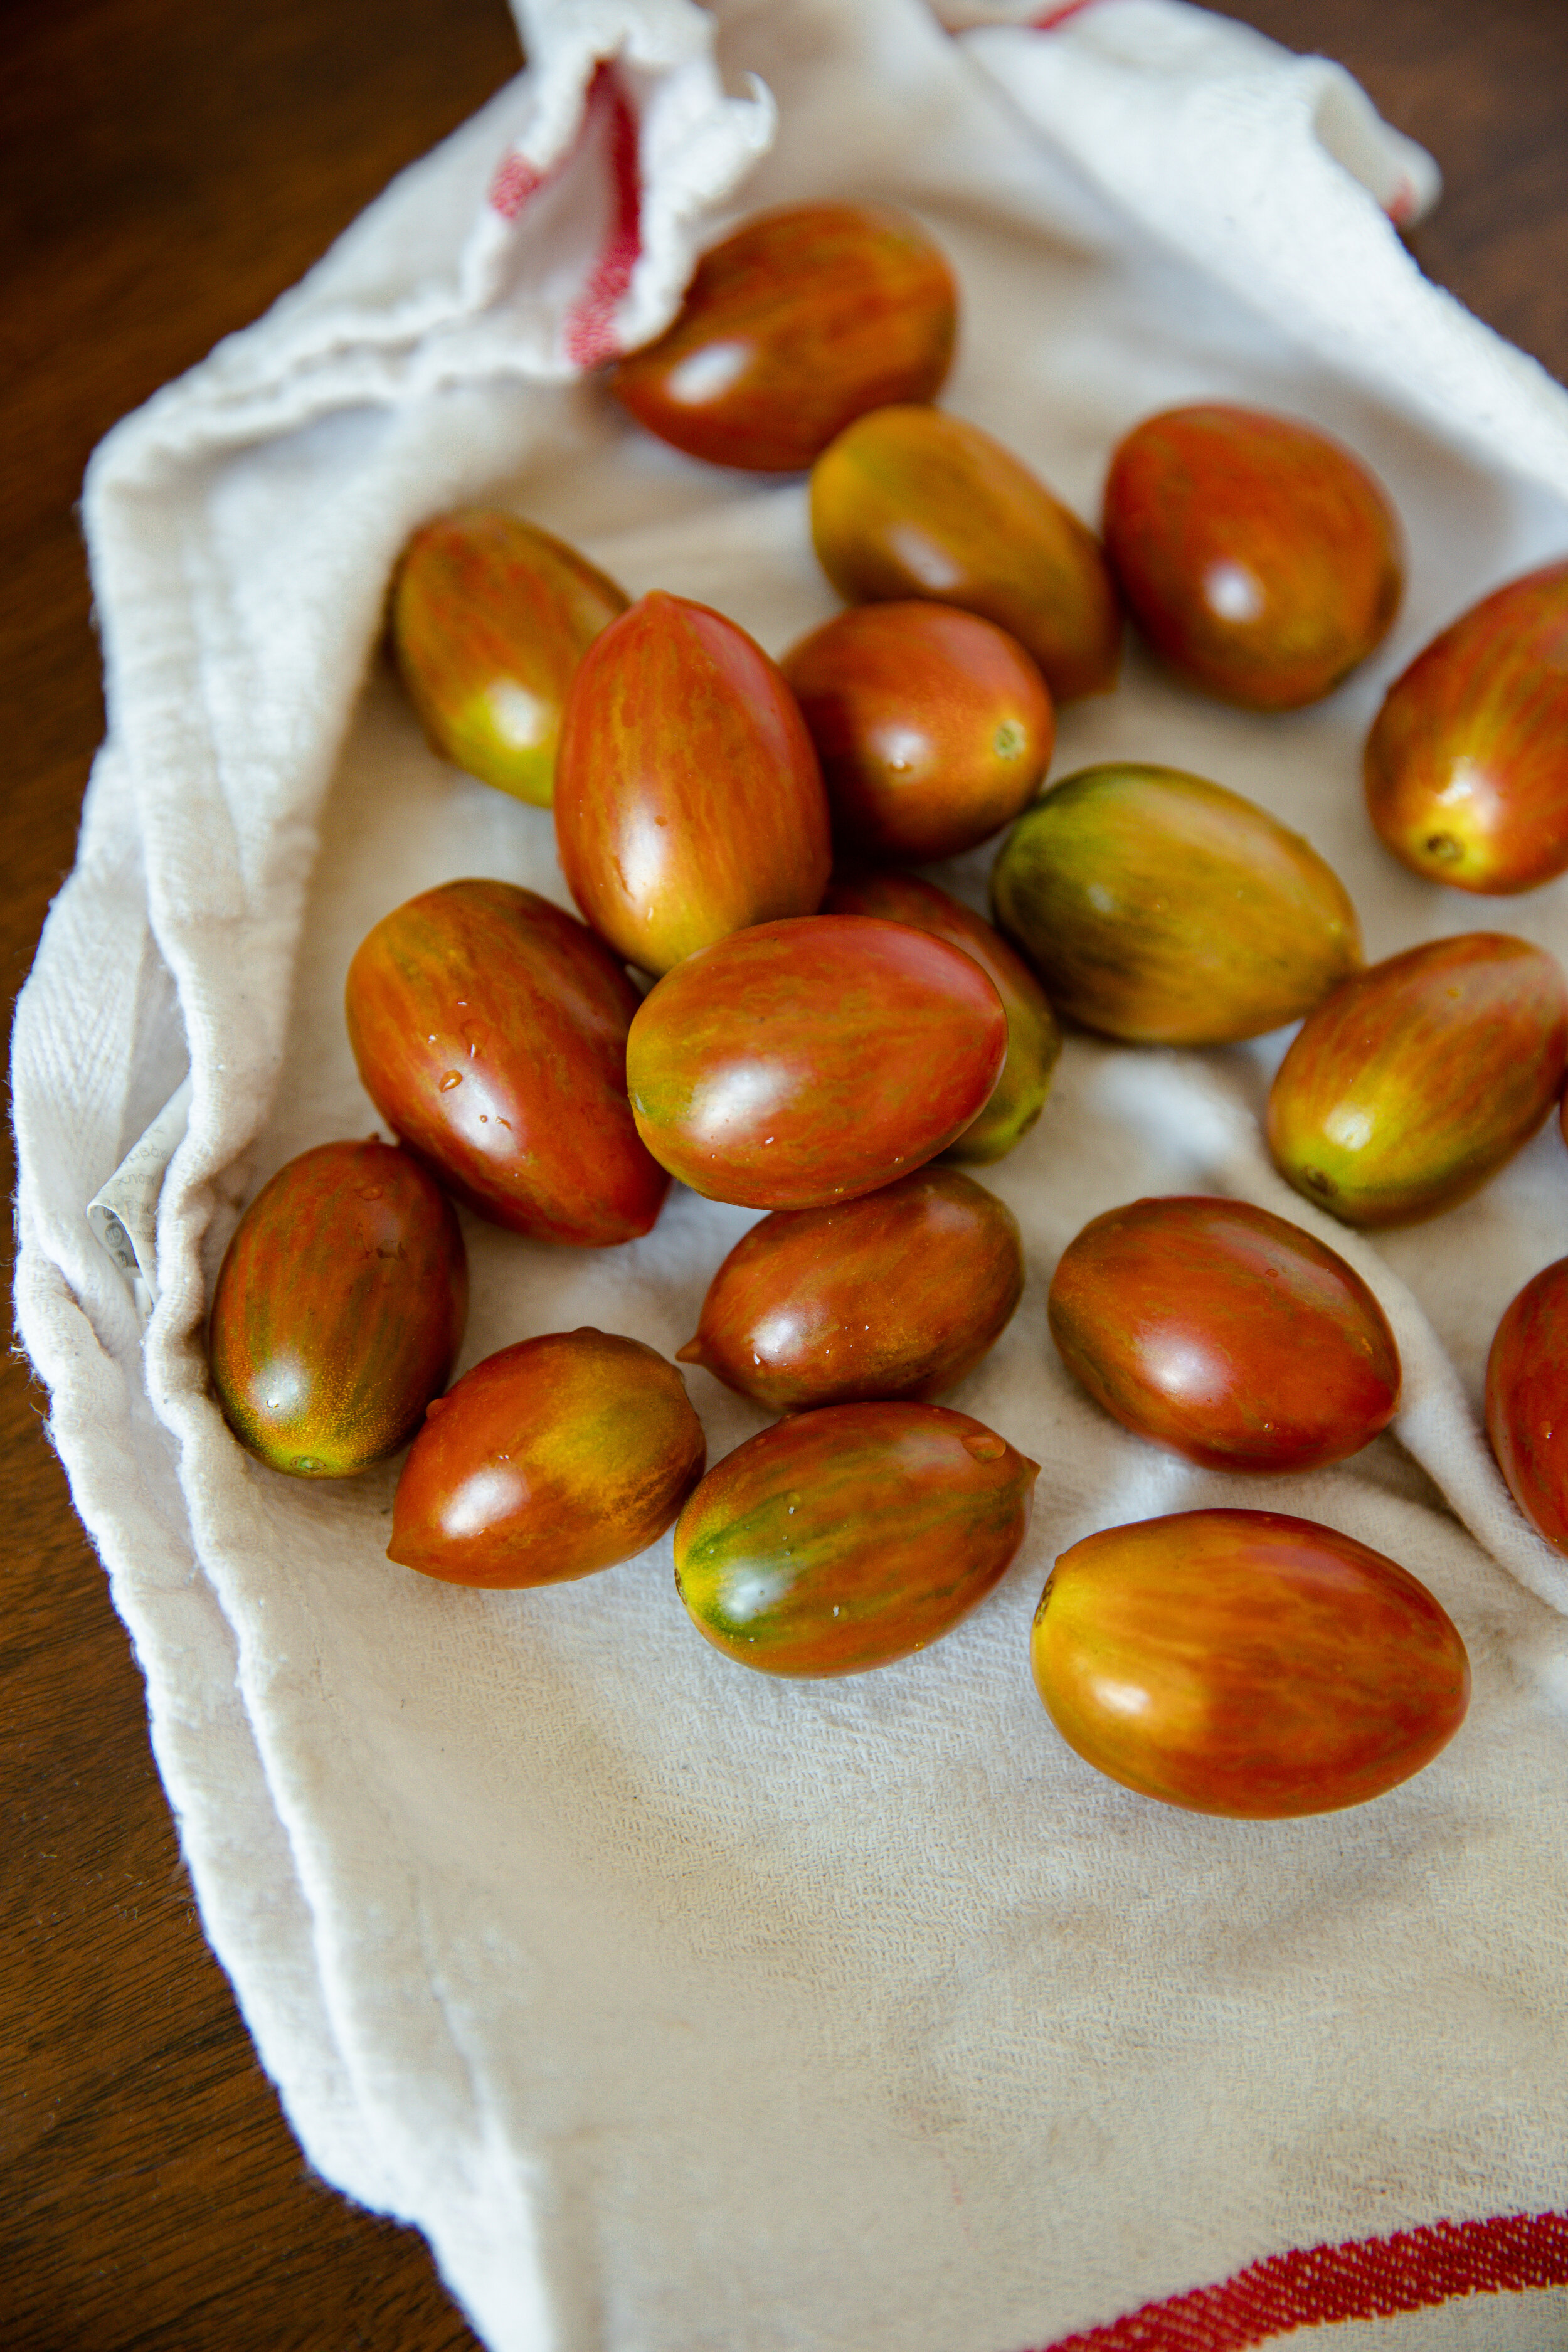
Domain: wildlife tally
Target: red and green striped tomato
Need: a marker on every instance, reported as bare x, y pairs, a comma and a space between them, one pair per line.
1527, 1401
1164, 909
490, 1029
802, 1063
337, 1310
1216, 1327
850, 1536
1246, 1664
933, 727
1418, 1078
1259, 557
490, 617
1467, 762
550, 1460
1034, 1038
898, 1294
911, 501
688, 800
798, 320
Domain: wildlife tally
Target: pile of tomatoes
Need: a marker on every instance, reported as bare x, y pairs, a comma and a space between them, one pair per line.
832, 1040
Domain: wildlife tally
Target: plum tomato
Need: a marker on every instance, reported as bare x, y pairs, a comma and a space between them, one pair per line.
1034, 1039
490, 1029
688, 801
490, 617
846, 1537
1246, 1664
1258, 556
933, 727
911, 502
1527, 1401
551, 1459
1420, 1077
337, 1310
1216, 1327
897, 1294
798, 1064
1467, 762
794, 324
1033, 1035
1162, 908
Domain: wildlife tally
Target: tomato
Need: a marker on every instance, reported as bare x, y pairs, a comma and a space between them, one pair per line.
688, 801
337, 1310
1259, 557
897, 1294
798, 1064
794, 323
1225, 1332
1420, 1077
933, 727
1246, 1664
490, 617
490, 1029
1162, 908
551, 1459
1527, 1401
912, 502
1033, 1040
1467, 762
844, 1538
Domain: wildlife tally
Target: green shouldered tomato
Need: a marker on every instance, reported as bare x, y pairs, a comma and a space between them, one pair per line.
1467, 762
688, 801
490, 1029
1164, 909
550, 1460
337, 1310
1247, 1663
897, 1294
1258, 556
1226, 1332
1034, 1038
796, 322
911, 502
797, 1063
1527, 1401
843, 1539
490, 617
1420, 1077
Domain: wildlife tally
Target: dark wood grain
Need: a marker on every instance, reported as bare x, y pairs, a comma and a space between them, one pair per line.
171, 166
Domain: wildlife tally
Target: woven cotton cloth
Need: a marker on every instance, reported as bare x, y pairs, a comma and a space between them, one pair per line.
685, 2010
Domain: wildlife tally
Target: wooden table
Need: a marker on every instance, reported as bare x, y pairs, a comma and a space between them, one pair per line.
172, 166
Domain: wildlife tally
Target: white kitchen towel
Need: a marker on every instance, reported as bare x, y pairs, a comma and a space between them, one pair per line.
681, 2007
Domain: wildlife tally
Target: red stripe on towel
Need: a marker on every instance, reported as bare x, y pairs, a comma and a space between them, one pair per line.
1049, 18
1367, 2278
590, 330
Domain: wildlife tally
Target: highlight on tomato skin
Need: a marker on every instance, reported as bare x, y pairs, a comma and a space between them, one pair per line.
337, 1310
1465, 764
1418, 1078
688, 797
844, 1538
1246, 1664
910, 501
1527, 1401
490, 617
1259, 556
1225, 1332
490, 1029
801, 1062
899, 1293
794, 324
1034, 1034
933, 727
551, 1459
